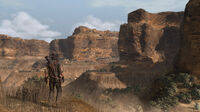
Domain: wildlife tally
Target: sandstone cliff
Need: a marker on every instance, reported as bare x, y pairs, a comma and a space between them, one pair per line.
16, 47
87, 45
189, 57
152, 36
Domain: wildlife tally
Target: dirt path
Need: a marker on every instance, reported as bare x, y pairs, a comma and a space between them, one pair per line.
185, 107
2, 109
67, 104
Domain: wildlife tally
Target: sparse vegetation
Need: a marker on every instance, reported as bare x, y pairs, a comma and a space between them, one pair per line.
103, 70
184, 97
32, 97
76, 95
134, 89
116, 68
25, 71
100, 70
165, 97
33, 89
195, 93
174, 88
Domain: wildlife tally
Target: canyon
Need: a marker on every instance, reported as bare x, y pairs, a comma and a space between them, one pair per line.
95, 62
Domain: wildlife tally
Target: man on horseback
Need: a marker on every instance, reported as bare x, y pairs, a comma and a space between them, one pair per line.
55, 76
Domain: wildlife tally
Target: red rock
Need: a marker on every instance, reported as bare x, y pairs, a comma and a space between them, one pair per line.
87, 45
189, 57
150, 36
15, 47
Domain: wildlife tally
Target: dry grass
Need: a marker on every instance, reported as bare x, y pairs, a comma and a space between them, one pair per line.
32, 97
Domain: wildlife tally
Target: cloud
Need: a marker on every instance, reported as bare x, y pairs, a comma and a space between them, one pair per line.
149, 5
24, 26
96, 23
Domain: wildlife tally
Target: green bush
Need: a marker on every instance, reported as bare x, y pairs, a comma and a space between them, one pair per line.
77, 95
165, 102
184, 97
195, 93
196, 86
116, 68
134, 89
103, 70
167, 87
166, 97
184, 78
33, 89
35, 80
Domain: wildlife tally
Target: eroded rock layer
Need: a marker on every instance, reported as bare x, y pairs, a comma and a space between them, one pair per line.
15, 47
87, 45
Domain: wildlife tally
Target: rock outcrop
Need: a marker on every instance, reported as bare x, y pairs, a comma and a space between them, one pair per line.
94, 81
87, 45
150, 36
15, 47
189, 57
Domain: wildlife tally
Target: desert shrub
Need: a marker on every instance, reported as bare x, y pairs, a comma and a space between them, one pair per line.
168, 91
196, 86
195, 93
102, 70
184, 97
91, 71
165, 81
168, 86
184, 78
134, 89
116, 68
165, 98
76, 95
25, 71
164, 102
166, 94
33, 89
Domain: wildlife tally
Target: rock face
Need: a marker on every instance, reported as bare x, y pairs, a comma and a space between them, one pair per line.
189, 57
152, 36
16, 47
87, 45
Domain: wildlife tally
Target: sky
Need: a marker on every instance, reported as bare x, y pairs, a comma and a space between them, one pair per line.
54, 19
